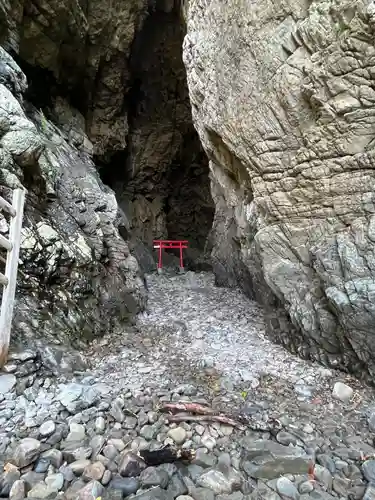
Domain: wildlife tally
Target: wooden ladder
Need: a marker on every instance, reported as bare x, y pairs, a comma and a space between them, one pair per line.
9, 280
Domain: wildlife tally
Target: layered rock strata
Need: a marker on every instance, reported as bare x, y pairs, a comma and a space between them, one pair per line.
283, 99
77, 278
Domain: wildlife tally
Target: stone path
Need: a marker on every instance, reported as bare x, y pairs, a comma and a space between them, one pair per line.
77, 436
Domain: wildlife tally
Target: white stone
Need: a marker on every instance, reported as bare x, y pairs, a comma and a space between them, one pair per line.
199, 429
47, 232
47, 428
178, 435
227, 430
342, 392
117, 443
10, 368
100, 424
7, 382
208, 441
77, 432
309, 429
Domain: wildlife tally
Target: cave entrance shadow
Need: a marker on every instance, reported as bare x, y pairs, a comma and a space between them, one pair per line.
161, 179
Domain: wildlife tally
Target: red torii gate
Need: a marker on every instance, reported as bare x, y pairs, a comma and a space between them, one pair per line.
169, 244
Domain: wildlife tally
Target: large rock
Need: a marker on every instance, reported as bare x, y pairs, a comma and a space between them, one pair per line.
59, 360
131, 465
283, 105
342, 392
83, 49
215, 481
77, 397
26, 452
270, 460
77, 275
91, 491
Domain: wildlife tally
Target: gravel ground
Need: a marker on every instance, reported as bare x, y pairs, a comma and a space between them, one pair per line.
79, 436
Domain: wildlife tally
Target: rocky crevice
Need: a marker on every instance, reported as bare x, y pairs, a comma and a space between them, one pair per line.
123, 113
161, 179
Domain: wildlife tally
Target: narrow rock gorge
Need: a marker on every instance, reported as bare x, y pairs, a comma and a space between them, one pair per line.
246, 129
161, 178
98, 128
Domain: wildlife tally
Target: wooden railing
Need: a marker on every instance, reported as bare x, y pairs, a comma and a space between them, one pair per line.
9, 279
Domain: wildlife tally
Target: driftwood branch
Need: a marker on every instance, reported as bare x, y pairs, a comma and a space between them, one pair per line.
204, 413
188, 407
206, 418
167, 454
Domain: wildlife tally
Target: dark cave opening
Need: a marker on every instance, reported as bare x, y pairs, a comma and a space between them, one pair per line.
162, 178
39, 79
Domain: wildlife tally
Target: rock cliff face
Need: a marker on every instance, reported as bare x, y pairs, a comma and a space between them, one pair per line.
283, 98
85, 47
95, 97
77, 277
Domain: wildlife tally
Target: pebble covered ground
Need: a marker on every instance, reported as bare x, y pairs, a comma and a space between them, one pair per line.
308, 431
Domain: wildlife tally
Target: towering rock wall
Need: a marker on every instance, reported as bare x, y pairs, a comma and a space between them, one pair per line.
283, 97
85, 46
104, 99
77, 278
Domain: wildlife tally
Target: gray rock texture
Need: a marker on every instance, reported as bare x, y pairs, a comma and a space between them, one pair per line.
121, 66
85, 46
77, 276
283, 99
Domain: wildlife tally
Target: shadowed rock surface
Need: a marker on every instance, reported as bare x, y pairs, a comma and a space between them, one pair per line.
282, 98
77, 278
85, 47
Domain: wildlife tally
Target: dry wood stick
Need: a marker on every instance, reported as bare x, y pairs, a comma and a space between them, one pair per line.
188, 407
208, 418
